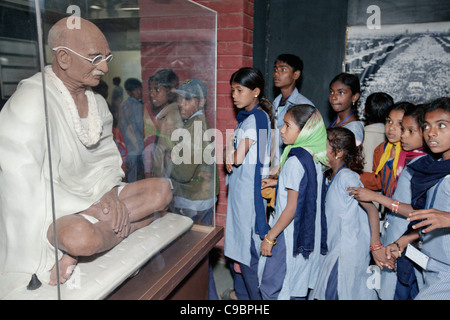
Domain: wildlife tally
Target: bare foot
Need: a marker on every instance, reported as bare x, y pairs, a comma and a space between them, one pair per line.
66, 265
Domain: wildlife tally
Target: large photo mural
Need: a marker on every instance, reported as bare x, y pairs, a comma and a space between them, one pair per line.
410, 62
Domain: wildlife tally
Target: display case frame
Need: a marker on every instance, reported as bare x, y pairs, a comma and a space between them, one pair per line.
180, 35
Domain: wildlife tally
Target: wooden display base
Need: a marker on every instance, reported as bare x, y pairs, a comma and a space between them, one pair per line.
179, 272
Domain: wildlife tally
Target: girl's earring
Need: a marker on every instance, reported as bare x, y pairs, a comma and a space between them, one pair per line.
337, 157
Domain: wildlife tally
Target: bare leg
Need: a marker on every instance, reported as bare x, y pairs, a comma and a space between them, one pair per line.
144, 196
67, 262
79, 237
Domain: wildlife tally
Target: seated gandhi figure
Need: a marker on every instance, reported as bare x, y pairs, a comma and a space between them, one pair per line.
94, 209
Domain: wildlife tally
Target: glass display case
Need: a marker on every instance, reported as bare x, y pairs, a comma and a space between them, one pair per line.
156, 100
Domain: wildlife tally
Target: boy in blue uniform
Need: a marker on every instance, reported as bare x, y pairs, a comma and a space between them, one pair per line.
287, 71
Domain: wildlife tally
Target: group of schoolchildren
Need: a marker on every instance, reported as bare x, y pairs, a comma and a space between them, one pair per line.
309, 221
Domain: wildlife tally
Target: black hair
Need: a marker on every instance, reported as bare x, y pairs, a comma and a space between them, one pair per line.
402, 105
292, 60
341, 138
440, 103
377, 107
131, 84
351, 81
252, 78
301, 113
167, 79
417, 112
116, 81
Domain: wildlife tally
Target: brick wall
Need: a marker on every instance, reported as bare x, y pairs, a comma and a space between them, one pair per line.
189, 53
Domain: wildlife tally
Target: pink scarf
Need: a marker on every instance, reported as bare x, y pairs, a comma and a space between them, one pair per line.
405, 157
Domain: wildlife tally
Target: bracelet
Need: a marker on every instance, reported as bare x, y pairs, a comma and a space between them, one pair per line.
395, 205
376, 247
398, 247
270, 242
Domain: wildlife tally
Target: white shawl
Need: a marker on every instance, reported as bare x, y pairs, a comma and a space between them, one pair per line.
85, 165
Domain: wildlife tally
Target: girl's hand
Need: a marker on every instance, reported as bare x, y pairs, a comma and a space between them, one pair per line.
268, 182
379, 256
229, 160
362, 194
432, 219
392, 252
228, 153
266, 249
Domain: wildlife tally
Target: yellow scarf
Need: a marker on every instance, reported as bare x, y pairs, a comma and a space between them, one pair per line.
387, 154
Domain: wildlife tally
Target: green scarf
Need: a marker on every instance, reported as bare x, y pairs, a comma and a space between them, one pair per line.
312, 138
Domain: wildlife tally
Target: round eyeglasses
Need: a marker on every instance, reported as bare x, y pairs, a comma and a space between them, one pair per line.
95, 61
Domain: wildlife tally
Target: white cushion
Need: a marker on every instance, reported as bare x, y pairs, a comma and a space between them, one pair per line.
96, 278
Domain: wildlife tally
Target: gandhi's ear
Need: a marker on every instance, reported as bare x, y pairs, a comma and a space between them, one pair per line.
62, 58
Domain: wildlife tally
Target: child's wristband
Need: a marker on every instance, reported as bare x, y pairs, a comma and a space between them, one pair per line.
270, 242
394, 206
398, 247
376, 247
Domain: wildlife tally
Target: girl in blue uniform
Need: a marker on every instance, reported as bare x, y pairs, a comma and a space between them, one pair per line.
395, 223
430, 188
343, 97
247, 163
343, 271
291, 248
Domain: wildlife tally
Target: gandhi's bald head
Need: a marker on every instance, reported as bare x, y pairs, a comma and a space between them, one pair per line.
61, 35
